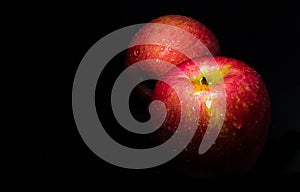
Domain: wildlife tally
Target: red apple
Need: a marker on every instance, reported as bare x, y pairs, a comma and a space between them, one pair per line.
246, 121
165, 40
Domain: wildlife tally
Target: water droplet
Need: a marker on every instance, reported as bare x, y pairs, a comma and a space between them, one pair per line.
208, 103
169, 49
257, 99
136, 52
162, 48
237, 124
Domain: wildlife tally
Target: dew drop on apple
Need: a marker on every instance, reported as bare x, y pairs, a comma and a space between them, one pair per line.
237, 124
256, 99
136, 52
208, 103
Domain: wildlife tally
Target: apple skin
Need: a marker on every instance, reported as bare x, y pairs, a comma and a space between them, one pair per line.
165, 38
246, 122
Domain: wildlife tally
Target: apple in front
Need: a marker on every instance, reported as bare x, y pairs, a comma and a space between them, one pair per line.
245, 123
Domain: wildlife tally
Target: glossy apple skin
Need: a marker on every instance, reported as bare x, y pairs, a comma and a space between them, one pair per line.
167, 38
246, 123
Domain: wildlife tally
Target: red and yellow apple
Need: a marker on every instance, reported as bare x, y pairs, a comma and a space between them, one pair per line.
162, 43
246, 121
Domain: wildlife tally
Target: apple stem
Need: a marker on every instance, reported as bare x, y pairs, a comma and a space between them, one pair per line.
203, 81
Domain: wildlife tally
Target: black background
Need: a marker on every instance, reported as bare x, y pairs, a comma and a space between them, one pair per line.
264, 35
